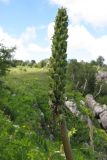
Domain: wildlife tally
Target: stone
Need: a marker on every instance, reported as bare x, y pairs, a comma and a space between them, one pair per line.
103, 118
97, 110
72, 107
100, 111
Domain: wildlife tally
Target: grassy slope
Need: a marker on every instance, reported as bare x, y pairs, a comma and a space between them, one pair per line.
24, 131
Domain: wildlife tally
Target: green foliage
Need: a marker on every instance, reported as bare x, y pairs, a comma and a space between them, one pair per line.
5, 56
25, 120
43, 63
102, 99
102, 96
58, 61
25, 116
81, 76
103, 89
71, 132
100, 61
100, 139
84, 154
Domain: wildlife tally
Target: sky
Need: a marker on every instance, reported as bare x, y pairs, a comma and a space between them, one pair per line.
29, 25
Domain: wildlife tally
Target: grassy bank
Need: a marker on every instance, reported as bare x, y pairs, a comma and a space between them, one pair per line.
25, 119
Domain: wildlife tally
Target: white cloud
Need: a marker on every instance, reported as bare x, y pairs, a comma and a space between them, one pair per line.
91, 11
7, 39
82, 45
85, 45
27, 49
28, 35
50, 30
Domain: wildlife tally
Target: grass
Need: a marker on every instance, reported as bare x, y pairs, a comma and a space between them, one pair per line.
28, 92
25, 119
25, 105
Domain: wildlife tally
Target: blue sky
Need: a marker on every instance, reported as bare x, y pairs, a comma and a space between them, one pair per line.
17, 14
29, 25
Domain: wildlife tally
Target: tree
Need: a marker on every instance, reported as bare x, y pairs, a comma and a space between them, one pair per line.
82, 75
5, 61
93, 63
5, 58
15, 63
100, 61
43, 63
58, 65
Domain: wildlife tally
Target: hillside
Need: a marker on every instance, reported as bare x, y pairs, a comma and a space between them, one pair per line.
26, 122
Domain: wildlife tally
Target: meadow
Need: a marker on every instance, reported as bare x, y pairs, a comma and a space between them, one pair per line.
24, 102
25, 120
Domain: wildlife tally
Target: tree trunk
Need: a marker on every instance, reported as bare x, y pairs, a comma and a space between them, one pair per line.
100, 89
85, 85
65, 140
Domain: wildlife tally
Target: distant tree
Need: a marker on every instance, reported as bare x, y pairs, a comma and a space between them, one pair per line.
58, 64
5, 58
33, 62
100, 61
16, 63
93, 62
5, 61
82, 76
27, 63
43, 63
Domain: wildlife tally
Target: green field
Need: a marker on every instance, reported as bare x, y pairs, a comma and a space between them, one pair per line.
25, 119
24, 132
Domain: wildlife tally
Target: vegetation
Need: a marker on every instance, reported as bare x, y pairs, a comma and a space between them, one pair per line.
32, 63
100, 61
5, 57
27, 128
25, 121
82, 75
58, 65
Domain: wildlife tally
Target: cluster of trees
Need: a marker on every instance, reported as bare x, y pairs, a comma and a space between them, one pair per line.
32, 63
45, 62
81, 76
99, 61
